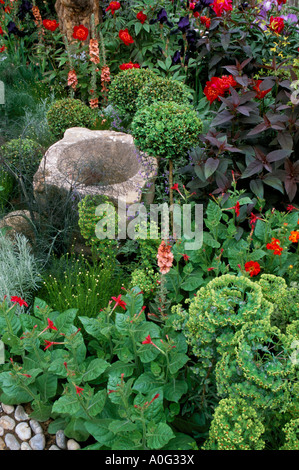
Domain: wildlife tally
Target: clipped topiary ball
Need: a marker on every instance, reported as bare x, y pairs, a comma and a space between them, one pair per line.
166, 129
125, 87
67, 113
163, 89
6, 188
23, 156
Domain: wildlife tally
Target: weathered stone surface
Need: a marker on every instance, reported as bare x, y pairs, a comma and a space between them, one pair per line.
2, 444
18, 222
8, 409
20, 414
35, 426
23, 431
54, 447
11, 442
73, 445
96, 163
6, 422
61, 439
1, 431
38, 442
25, 446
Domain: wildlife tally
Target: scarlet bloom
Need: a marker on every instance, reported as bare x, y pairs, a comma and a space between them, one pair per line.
290, 208
219, 6
51, 325
253, 268
205, 20
260, 93
227, 81
275, 246
125, 37
80, 32
1, 31
51, 25
217, 86
19, 301
2, 49
294, 237
186, 257
147, 340
119, 302
129, 65
196, 14
113, 6
276, 24
7, 9
79, 390
141, 17
236, 209
175, 187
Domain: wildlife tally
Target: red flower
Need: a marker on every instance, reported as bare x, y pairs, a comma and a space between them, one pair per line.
50, 343
79, 390
19, 301
113, 6
147, 340
2, 49
51, 325
119, 302
219, 6
50, 25
290, 208
205, 20
186, 257
80, 32
213, 89
253, 268
294, 237
276, 24
227, 81
196, 14
129, 65
7, 9
275, 246
2, 1
125, 37
260, 93
281, 2
175, 187
1, 31
141, 17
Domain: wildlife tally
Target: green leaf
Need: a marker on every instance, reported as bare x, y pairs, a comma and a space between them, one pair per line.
193, 281
67, 404
180, 442
177, 361
146, 383
75, 429
92, 326
47, 385
210, 241
214, 213
118, 426
65, 321
100, 431
158, 435
138, 28
97, 403
174, 390
95, 368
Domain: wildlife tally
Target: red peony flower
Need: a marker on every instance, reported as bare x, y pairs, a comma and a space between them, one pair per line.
113, 6
260, 93
141, 17
253, 268
227, 81
206, 21
129, 65
276, 24
213, 89
18, 300
80, 32
219, 6
125, 37
51, 25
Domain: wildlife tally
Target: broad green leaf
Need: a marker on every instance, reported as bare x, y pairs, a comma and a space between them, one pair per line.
99, 430
158, 435
174, 390
97, 403
67, 404
95, 368
177, 361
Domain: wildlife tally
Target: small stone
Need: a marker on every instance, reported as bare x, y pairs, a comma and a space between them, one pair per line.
11, 442
20, 414
2, 444
38, 442
73, 445
54, 447
6, 422
8, 409
23, 431
25, 446
35, 426
1, 431
61, 439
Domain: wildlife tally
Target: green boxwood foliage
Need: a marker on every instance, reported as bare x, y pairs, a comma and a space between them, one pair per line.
166, 129
217, 312
235, 426
125, 87
23, 156
163, 89
7, 185
68, 112
260, 369
291, 431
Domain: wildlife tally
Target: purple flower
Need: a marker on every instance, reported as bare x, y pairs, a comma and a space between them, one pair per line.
291, 18
176, 59
184, 24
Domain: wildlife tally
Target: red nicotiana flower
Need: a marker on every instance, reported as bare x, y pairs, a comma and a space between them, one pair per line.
80, 32
147, 340
186, 257
1, 31
219, 6
51, 25
125, 36
113, 6
129, 65
19, 301
119, 302
276, 24
290, 208
253, 268
50, 343
79, 390
141, 17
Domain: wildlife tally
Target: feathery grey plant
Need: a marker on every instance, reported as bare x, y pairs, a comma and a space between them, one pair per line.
19, 269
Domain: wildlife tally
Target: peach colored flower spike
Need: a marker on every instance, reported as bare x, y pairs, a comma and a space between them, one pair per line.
165, 257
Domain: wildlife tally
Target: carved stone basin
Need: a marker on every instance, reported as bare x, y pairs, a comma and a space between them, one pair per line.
96, 163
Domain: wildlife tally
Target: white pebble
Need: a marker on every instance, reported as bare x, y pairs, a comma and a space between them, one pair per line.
20, 414
23, 431
25, 446
2, 444
11, 442
35, 426
54, 447
1, 431
61, 439
73, 445
8, 409
6, 422
37, 442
